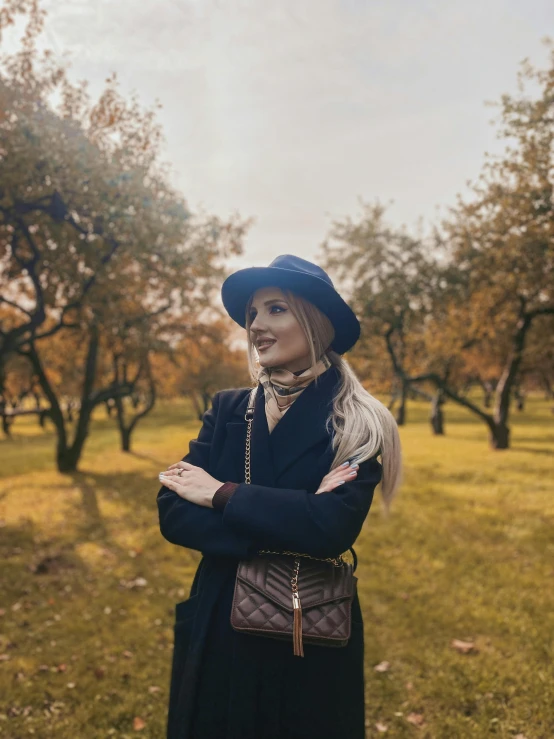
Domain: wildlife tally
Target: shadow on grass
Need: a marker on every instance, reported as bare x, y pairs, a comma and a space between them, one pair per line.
93, 523
31, 559
129, 488
121, 488
532, 450
160, 462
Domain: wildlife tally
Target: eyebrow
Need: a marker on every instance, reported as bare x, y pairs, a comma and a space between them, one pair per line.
273, 300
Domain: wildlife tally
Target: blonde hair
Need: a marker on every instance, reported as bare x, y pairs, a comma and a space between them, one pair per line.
363, 426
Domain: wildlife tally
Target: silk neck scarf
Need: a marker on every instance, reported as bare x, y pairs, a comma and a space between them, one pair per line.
282, 387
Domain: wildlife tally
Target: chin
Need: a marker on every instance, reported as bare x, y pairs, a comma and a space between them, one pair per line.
270, 361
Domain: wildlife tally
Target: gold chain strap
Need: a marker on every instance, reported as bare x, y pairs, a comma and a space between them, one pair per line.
337, 561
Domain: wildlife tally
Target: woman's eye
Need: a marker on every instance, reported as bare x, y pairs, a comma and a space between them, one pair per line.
279, 308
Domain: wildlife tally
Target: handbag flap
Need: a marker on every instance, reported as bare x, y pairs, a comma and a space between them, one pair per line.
318, 582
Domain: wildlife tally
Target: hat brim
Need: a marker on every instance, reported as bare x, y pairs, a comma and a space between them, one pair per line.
238, 287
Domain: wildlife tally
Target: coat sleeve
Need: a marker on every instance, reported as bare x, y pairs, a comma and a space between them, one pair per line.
198, 527
323, 525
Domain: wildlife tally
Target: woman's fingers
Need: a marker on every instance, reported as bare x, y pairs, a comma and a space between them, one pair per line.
173, 469
344, 472
337, 477
184, 465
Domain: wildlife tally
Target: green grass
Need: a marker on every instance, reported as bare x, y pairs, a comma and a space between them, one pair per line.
467, 553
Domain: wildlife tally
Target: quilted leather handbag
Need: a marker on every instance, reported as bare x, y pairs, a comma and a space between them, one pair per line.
293, 596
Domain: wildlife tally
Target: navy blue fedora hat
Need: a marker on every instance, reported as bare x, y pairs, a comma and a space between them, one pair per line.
301, 277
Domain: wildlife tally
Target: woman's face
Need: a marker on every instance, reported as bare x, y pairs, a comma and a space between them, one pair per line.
272, 318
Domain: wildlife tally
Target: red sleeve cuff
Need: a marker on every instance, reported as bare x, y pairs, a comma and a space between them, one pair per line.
223, 494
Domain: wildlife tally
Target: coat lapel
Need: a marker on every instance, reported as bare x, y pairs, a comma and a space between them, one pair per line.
302, 426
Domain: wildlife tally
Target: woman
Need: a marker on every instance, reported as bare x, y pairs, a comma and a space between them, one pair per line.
312, 418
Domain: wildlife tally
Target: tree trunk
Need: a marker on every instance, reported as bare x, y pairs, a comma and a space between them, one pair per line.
125, 439
401, 412
520, 399
207, 401
499, 436
196, 404
393, 394
126, 430
67, 457
547, 385
437, 416
504, 389
488, 390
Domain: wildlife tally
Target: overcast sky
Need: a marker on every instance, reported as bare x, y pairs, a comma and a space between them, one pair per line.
291, 111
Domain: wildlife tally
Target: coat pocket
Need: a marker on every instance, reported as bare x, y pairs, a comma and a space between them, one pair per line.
182, 629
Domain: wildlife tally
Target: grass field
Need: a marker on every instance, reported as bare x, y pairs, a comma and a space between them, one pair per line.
467, 554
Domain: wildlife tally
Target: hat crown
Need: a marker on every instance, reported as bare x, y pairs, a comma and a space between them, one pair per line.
292, 262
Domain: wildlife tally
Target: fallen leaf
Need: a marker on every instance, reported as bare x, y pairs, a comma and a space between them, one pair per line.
99, 672
138, 723
462, 646
61, 668
154, 689
127, 654
416, 719
382, 666
381, 727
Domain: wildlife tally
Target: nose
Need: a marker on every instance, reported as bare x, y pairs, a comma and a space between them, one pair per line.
257, 326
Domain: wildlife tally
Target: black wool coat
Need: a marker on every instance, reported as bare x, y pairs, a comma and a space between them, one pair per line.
227, 685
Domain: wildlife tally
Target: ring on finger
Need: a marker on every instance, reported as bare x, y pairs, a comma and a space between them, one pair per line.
180, 472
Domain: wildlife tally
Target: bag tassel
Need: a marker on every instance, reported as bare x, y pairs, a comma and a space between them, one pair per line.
297, 627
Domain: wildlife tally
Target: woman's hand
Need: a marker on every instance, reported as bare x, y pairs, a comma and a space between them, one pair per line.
193, 484
337, 477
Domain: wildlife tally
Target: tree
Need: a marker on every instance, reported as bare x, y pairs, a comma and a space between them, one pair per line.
502, 239
90, 231
390, 276
202, 363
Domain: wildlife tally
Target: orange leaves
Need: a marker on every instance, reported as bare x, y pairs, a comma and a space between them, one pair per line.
382, 666
464, 647
416, 719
